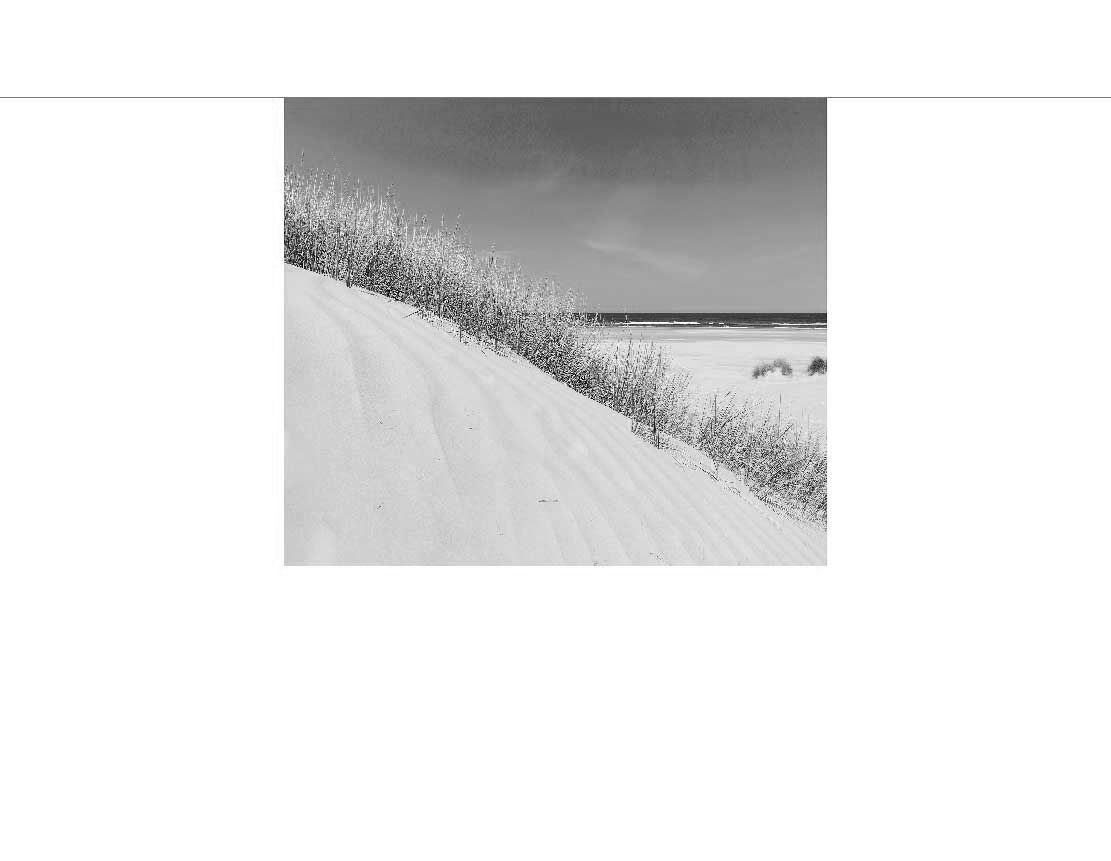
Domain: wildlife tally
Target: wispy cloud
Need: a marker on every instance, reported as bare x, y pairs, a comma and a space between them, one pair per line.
675, 265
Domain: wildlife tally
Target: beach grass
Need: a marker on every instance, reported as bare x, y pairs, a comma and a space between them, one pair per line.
781, 365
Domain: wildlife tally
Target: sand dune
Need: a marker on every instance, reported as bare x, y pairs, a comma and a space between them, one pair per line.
404, 446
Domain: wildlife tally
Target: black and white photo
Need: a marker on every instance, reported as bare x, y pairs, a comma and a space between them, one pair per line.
555, 331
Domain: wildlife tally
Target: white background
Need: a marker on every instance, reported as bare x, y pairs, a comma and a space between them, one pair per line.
170, 691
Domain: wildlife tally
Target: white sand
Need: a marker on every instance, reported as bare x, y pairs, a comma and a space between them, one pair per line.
722, 360
405, 446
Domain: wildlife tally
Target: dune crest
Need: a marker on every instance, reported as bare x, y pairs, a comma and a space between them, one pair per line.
404, 446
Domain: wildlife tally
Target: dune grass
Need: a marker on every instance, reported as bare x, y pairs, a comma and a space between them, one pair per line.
781, 365
339, 227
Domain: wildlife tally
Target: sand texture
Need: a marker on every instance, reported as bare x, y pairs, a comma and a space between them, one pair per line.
405, 446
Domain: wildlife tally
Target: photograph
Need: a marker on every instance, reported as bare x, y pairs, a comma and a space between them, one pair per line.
555, 331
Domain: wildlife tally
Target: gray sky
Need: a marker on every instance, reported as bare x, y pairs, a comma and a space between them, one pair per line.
637, 204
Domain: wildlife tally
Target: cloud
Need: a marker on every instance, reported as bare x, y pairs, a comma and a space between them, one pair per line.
675, 265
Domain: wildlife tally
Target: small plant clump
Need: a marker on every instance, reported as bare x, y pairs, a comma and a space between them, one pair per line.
817, 366
340, 228
781, 365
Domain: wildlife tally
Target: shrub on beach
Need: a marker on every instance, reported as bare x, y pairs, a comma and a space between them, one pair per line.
339, 227
781, 365
817, 366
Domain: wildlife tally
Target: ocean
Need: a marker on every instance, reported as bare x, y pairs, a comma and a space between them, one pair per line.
720, 320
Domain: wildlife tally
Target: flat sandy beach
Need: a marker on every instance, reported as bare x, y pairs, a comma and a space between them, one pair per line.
721, 359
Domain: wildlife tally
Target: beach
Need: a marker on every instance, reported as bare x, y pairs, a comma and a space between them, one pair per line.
722, 359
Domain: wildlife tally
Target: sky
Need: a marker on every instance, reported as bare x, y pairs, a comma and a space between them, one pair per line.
635, 204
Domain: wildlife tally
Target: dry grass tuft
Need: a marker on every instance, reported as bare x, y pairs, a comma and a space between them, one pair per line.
781, 365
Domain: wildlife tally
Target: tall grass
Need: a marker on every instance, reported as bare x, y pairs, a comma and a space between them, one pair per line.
783, 465
339, 227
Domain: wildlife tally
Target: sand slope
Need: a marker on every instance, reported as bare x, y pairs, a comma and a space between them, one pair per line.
404, 446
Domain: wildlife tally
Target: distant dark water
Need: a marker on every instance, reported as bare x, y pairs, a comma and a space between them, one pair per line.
735, 321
